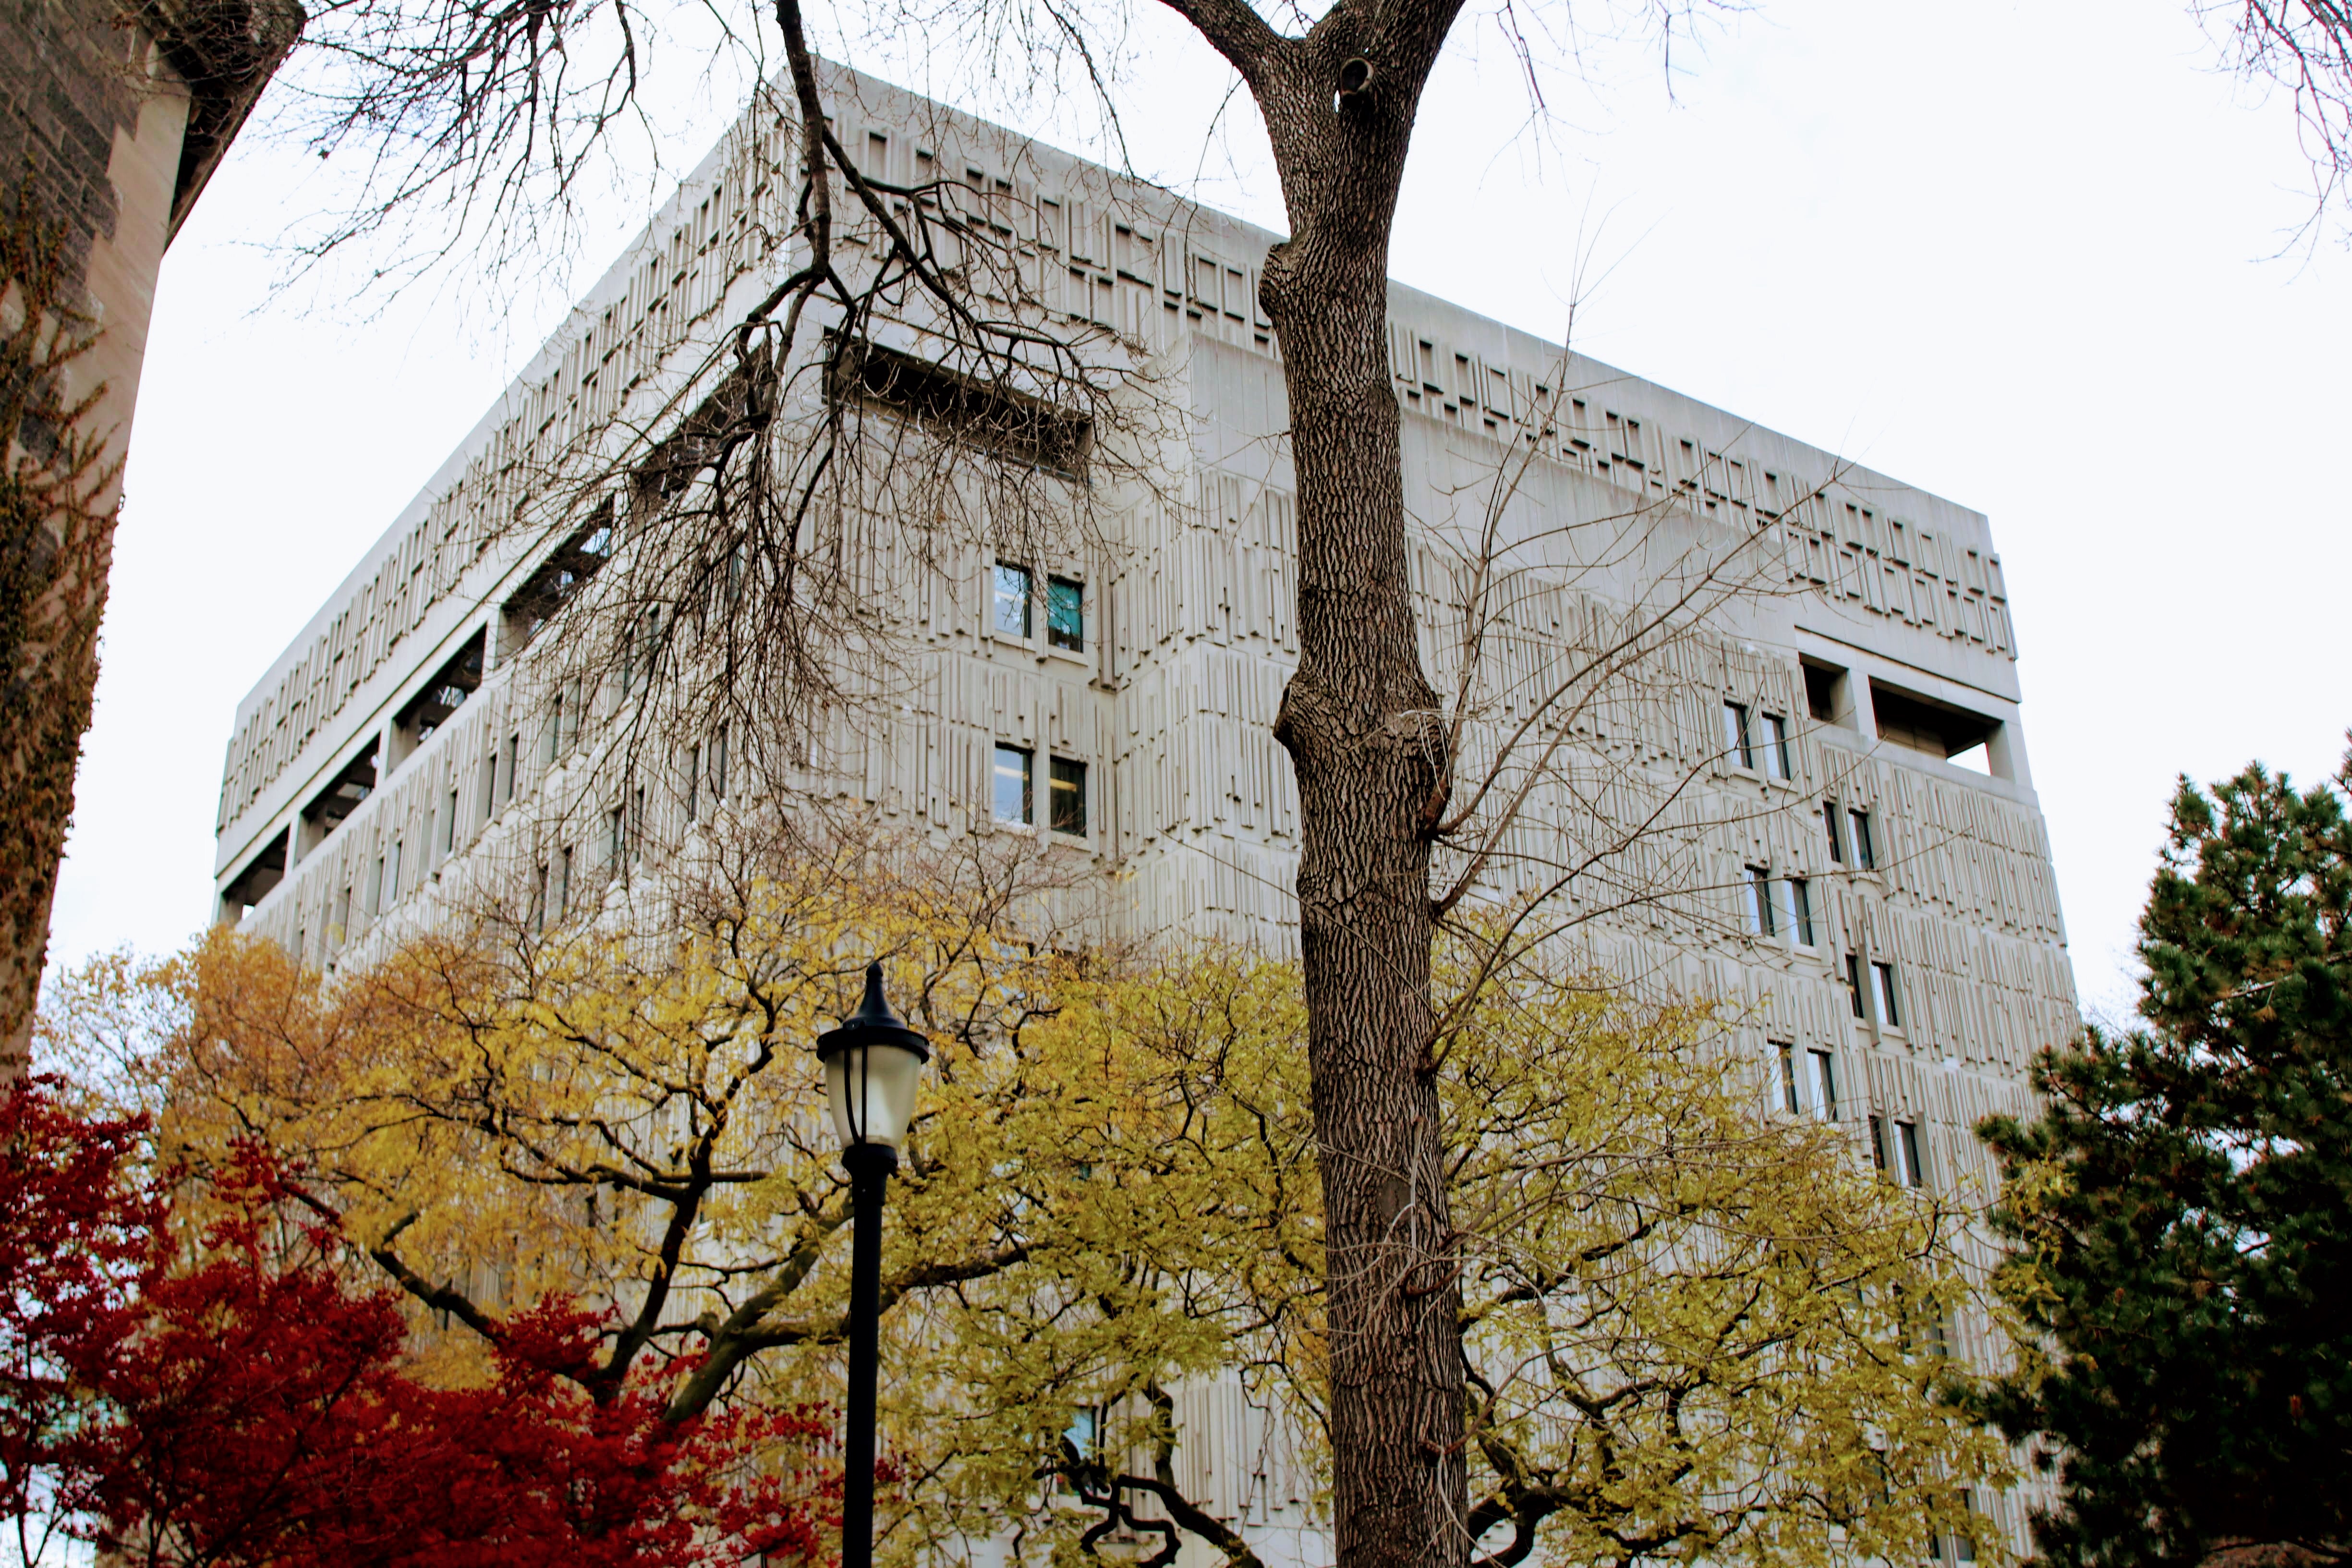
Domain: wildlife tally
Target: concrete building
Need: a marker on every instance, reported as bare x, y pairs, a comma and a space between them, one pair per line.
1854, 851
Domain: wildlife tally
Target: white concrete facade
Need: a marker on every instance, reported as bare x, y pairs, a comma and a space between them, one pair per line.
1874, 637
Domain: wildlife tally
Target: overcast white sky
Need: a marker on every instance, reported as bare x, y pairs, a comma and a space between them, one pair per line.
2016, 256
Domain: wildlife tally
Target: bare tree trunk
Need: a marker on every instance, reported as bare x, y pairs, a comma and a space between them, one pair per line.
1361, 721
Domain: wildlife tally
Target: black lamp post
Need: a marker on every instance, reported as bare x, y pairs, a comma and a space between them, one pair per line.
872, 1063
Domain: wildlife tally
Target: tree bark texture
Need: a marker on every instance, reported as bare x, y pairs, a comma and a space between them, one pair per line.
1361, 721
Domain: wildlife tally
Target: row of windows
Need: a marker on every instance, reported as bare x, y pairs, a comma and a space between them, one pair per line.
1748, 737
1016, 790
1065, 607
1894, 1145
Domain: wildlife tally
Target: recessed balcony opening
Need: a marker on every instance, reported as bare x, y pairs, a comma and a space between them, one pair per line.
342, 795
561, 575
252, 884
442, 696
1939, 729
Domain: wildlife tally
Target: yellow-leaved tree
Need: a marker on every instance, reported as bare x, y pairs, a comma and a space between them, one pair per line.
1695, 1330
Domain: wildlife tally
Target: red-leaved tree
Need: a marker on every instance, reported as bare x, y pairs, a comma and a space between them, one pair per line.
230, 1400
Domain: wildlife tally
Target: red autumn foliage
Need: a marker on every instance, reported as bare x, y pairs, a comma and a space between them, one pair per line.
249, 1407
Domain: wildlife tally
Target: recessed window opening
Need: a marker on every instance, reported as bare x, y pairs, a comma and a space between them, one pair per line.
1013, 781
693, 783
1823, 684
1788, 1097
1012, 588
1797, 910
1833, 821
1878, 1144
1826, 1104
1912, 1172
562, 893
1776, 747
1888, 1012
391, 876
514, 760
1935, 728
1866, 852
459, 677
1737, 745
719, 766
449, 823
1066, 783
1854, 985
1066, 617
1760, 901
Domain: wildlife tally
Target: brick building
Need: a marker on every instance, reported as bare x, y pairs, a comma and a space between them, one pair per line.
113, 117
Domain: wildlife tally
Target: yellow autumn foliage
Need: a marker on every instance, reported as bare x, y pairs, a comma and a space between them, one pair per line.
1695, 1330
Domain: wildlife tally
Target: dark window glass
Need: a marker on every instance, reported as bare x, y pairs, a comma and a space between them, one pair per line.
1066, 615
1906, 1144
1789, 1077
1800, 908
1888, 1013
1776, 746
1878, 1143
1759, 902
1066, 796
1853, 985
1736, 744
1865, 855
1013, 784
1825, 1086
1830, 816
1012, 612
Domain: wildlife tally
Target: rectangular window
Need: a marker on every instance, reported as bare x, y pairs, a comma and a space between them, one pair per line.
449, 824
1800, 910
1906, 1149
1760, 901
1066, 615
1066, 796
693, 783
1776, 747
561, 892
1878, 1143
1736, 746
538, 901
636, 824
719, 766
1865, 856
1788, 1078
1013, 784
1854, 985
1012, 601
514, 757
391, 877
491, 782
613, 837
1831, 817
1824, 1086
551, 741
1888, 1012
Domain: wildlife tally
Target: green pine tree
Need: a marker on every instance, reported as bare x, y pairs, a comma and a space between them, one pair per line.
2180, 1221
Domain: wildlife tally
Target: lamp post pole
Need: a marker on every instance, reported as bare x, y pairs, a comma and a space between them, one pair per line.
873, 1064
870, 1166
